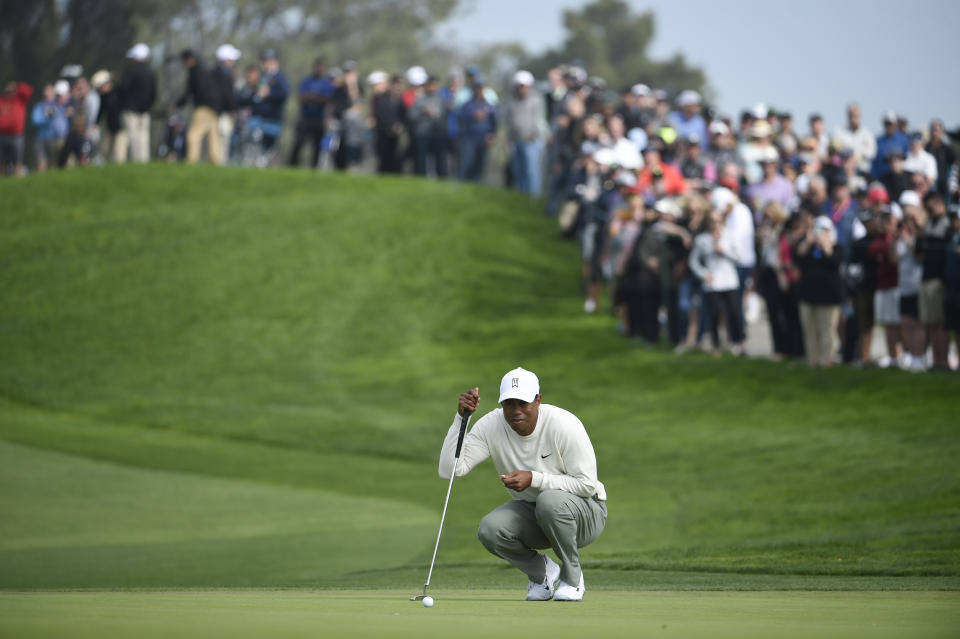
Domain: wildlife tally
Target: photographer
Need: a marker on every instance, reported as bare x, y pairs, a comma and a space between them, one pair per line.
821, 290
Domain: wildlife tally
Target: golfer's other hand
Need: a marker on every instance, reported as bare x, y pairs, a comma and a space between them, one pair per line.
518, 480
469, 401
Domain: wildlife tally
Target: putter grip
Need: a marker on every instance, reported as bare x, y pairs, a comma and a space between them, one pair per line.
463, 430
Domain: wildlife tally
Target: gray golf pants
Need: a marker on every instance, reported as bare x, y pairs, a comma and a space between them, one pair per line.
559, 520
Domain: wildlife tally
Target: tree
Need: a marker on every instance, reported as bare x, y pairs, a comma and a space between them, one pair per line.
611, 42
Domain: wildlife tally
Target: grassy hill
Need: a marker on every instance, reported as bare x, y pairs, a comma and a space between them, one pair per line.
236, 378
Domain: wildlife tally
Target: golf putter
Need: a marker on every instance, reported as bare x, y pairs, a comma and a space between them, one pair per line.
456, 459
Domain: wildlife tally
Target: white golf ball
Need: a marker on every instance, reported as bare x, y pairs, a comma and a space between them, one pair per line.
428, 602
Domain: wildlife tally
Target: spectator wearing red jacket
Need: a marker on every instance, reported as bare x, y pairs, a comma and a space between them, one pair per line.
13, 119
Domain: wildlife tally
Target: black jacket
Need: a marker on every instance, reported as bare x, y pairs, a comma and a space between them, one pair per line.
206, 87
138, 87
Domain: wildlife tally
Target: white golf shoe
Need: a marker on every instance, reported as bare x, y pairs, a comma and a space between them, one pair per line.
566, 592
543, 591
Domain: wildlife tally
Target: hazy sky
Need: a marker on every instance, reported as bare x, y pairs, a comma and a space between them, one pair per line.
807, 56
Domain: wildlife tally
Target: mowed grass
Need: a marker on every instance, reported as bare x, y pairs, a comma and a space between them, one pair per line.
226, 378
304, 613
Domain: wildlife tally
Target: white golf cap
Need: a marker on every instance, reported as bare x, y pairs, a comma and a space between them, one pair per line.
909, 198
62, 87
523, 78
139, 51
377, 77
688, 98
640, 90
519, 384
417, 76
721, 198
228, 52
718, 127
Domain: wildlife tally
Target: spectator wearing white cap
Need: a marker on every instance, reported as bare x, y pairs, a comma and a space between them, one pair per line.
428, 121
687, 120
137, 92
820, 291
857, 138
919, 161
227, 56
526, 122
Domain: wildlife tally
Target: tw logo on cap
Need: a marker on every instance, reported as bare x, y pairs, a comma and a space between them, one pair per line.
515, 382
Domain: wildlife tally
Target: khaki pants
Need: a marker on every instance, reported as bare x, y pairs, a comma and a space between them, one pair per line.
204, 124
819, 322
135, 136
558, 520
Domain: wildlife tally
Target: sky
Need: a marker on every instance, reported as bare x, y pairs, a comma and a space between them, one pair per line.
805, 57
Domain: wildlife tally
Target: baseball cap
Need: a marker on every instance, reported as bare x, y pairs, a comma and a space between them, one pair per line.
877, 193
909, 198
139, 51
890, 117
268, 54
823, 223
100, 78
62, 87
688, 98
519, 384
718, 127
721, 198
228, 52
640, 90
523, 78
377, 77
416, 76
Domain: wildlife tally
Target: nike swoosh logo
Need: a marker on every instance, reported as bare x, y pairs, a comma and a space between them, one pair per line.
545, 456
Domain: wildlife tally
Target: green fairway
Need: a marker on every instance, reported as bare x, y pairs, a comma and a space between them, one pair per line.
216, 378
470, 614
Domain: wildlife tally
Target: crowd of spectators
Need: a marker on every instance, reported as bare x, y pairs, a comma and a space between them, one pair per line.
683, 215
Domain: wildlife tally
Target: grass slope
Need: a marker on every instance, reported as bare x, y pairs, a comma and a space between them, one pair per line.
246, 376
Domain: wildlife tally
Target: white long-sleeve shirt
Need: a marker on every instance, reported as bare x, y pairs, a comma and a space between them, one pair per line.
558, 452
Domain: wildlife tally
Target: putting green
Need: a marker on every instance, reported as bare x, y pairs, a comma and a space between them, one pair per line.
72, 522
299, 613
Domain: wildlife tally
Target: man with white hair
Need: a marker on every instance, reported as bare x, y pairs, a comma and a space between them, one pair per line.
137, 91
687, 120
526, 129
857, 138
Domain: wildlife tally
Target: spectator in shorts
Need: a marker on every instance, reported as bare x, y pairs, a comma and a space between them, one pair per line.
932, 246
137, 92
50, 123
909, 277
13, 120
821, 291
886, 300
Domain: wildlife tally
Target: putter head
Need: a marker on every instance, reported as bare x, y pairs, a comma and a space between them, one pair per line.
420, 596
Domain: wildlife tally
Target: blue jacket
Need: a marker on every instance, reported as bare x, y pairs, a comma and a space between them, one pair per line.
885, 144
271, 107
472, 127
322, 87
52, 126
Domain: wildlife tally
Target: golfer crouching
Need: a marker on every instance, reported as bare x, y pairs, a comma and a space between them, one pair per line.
546, 461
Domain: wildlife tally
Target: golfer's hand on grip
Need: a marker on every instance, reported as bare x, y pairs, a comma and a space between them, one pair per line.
469, 401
